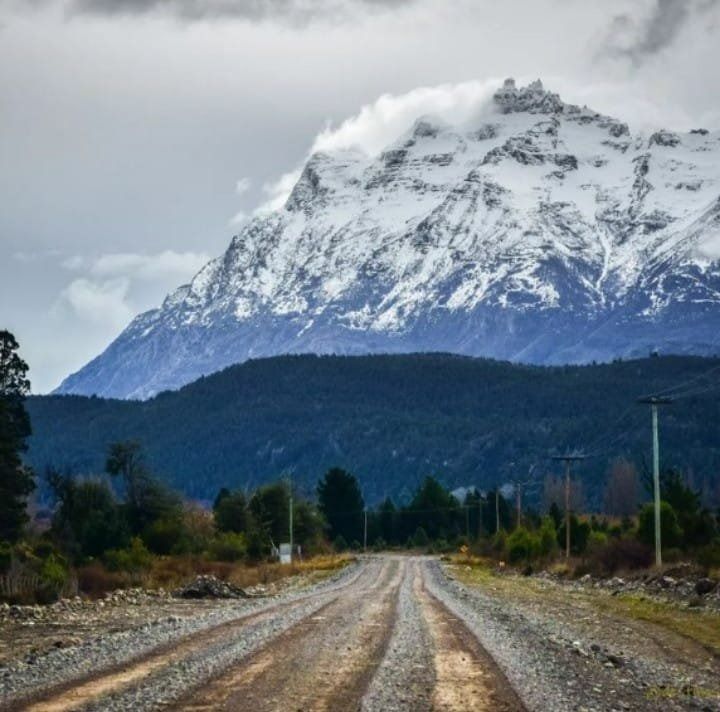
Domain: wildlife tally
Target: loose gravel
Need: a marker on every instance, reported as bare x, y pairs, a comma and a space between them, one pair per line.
20, 678
405, 679
552, 666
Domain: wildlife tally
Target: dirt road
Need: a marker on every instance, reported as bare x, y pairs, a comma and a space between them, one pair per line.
390, 633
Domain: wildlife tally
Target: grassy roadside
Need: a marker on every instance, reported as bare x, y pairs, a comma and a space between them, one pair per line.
170, 572
696, 624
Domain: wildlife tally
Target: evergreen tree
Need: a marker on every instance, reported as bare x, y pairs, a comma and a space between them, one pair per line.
89, 520
231, 514
147, 499
342, 504
270, 509
16, 480
387, 521
435, 510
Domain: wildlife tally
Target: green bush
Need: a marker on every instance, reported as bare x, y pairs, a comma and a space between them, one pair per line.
168, 535
671, 534
709, 556
596, 541
547, 538
228, 546
339, 544
6, 553
135, 559
522, 545
54, 575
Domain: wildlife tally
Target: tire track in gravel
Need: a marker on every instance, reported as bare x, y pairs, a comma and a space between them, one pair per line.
86, 689
466, 676
325, 662
405, 680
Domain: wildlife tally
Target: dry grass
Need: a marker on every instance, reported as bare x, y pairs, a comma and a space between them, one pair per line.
170, 572
696, 624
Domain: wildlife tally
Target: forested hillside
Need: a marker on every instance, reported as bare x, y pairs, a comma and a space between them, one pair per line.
392, 420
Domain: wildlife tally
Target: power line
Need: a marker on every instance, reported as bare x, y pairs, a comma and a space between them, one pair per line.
672, 389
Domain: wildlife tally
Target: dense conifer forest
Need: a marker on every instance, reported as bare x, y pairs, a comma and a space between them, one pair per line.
392, 420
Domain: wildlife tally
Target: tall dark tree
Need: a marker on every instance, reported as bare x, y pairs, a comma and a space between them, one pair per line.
387, 521
147, 499
89, 520
436, 510
270, 510
342, 504
16, 480
230, 510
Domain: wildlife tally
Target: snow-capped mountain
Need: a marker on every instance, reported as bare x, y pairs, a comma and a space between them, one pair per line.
544, 233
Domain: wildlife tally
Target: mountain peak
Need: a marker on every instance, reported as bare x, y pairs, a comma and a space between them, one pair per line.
533, 98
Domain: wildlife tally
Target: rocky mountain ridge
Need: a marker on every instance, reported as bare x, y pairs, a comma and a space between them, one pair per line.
544, 232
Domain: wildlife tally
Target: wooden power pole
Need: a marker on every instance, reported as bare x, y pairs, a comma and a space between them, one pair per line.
654, 402
568, 460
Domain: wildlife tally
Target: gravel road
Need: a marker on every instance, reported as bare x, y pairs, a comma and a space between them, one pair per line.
390, 633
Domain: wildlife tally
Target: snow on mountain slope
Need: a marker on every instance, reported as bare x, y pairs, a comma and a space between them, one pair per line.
545, 232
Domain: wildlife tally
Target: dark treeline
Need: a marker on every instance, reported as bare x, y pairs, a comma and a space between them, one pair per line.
121, 517
393, 420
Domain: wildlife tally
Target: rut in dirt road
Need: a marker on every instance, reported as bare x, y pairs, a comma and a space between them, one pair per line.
323, 663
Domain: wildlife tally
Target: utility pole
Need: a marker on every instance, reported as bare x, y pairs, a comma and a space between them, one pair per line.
480, 524
467, 522
568, 460
497, 510
365, 531
518, 504
291, 516
654, 402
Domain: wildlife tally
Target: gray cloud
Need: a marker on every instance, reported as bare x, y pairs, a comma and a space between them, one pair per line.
639, 40
296, 11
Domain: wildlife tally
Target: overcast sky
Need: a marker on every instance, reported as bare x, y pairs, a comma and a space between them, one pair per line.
136, 135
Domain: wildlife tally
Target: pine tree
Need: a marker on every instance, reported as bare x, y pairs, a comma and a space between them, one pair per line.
16, 480
342, 504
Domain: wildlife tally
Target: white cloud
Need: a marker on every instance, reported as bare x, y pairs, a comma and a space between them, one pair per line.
378, 124
243, 185
240, 218
113, 288
98, 302
278, 191
139, 267
28, 257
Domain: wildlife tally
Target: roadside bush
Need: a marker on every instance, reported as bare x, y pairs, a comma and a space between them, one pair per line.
497, 543
579, 535
709, 556
135, 559
522, 545
228, 546
379, 544
339, 544
547, 538
6, 552
54, 575
168, 536
596, 541
670, 532
94, 579
619, 554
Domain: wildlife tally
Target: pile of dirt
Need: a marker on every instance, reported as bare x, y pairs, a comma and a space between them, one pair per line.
210, 587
